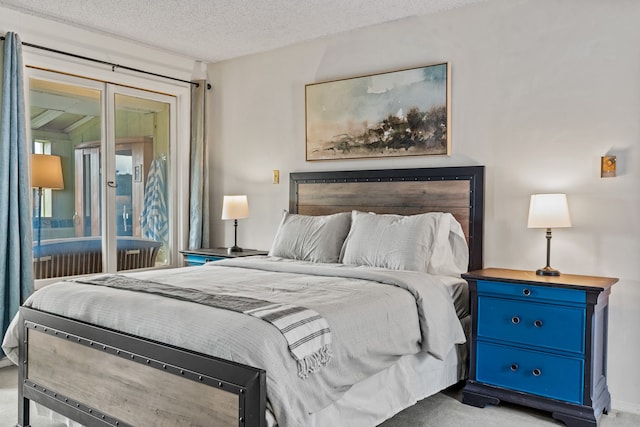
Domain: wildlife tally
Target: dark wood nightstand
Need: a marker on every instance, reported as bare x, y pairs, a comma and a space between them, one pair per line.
540, 341
200, 256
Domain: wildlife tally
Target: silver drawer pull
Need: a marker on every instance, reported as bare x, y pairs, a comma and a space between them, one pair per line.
515, 320
537, 323
526, 292
514, 367
536, 372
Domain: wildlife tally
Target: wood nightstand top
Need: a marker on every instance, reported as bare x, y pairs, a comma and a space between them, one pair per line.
522, 276
222, 252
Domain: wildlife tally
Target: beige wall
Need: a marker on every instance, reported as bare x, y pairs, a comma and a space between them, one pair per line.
540, 90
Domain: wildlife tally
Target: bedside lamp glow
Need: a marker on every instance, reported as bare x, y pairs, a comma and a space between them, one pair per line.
235, 208
548, 211
46, 172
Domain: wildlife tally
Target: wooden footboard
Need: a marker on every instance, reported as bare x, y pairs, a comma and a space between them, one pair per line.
100, 377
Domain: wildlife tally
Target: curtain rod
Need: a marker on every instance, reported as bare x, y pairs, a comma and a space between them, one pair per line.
111, 64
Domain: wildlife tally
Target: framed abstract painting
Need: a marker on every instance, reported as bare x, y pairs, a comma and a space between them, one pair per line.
399, 113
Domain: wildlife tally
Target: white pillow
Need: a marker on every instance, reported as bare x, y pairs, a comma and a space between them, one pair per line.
450, 254
311, 238
416, 242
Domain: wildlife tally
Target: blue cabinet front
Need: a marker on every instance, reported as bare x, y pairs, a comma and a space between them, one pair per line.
545, 325
529, 371
194, 259
532, 292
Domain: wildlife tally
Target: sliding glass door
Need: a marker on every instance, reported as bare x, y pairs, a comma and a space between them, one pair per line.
142, 164
115, 208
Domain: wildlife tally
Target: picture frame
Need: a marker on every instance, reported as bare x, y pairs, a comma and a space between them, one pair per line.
393, 114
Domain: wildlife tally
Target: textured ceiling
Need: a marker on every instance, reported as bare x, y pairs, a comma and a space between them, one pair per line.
214, 30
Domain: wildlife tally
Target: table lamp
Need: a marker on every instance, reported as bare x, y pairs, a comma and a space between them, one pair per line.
46, 172
548, 211
235, 208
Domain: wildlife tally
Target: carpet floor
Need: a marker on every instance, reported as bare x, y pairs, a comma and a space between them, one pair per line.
441, 410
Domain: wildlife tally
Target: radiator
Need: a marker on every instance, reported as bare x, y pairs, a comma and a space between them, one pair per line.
72, 264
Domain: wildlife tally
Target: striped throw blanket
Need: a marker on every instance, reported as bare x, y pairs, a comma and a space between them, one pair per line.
307, 333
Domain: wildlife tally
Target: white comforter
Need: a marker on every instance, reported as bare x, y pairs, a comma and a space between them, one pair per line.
373, 324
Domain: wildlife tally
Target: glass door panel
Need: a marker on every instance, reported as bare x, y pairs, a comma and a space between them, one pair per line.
142, 158
66, 121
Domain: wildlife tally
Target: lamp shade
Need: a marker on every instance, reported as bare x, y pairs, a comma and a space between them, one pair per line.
46, 172
549, 211
235, 207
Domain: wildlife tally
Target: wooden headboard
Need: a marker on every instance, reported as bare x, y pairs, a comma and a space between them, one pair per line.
458, 190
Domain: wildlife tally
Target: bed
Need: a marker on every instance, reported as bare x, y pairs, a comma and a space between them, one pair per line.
98, 374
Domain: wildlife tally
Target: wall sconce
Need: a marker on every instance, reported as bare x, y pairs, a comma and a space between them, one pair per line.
607, 166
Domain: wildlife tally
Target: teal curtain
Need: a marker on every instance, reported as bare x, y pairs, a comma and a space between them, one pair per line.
16, 257
199, 184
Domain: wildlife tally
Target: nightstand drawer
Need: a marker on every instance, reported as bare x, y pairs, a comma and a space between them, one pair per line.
531, 292
543, 374
192, 259
543, 325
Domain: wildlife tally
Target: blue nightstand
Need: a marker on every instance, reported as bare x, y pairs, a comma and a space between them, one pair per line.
540, 341
201, 256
